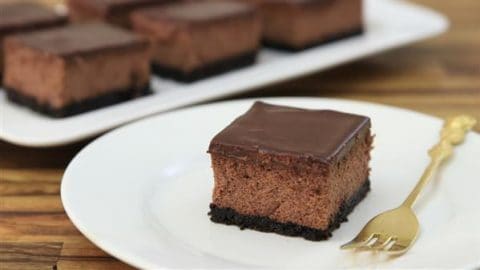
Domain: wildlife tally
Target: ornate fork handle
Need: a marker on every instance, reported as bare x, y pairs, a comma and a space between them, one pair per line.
453, 133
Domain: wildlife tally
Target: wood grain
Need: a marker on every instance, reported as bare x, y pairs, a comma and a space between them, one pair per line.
440, 76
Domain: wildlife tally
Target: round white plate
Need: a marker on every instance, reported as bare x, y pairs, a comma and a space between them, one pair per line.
142, 192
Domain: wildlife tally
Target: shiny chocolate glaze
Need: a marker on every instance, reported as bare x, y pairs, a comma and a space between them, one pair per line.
81, 38
319, 135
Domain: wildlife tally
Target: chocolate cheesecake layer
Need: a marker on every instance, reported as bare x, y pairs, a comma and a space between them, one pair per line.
279, 45
298, 24
193, 40
24, 17
261, 223
286, 188
55, 70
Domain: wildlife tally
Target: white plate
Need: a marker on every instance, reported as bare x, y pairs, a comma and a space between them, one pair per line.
142, 192
389, 24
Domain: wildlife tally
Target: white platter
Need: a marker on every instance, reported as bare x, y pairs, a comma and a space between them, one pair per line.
142, 192
389, 24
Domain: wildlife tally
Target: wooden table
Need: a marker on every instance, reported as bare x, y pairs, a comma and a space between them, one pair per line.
440, 77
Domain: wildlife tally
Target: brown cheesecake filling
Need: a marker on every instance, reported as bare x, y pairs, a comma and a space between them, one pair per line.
188, 36
58, 82
304, 193
302, 23
23, 17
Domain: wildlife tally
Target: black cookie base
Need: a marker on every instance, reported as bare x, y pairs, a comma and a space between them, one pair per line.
77, 107
208, 70
231, 217
332, 38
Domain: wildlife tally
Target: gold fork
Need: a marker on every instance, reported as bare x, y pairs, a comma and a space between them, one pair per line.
395, 231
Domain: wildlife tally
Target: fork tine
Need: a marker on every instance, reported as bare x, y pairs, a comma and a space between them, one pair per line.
356, 243
397, 249
380, 245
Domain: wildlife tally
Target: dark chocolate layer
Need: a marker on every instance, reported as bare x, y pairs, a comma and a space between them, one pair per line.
206, 70
329, 39
16, 17
321, 135
78, 107
231, 217
81, 38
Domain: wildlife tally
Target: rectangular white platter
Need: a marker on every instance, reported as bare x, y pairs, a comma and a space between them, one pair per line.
389, 24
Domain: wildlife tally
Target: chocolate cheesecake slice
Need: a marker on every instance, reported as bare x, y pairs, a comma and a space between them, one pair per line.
69, 70
23, 17
299, 24
194, 40
115, 12
290, 171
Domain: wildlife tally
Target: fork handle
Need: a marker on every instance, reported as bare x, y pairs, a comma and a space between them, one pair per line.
452, 134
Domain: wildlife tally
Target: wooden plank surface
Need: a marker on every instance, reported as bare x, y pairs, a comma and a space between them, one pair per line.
440, 76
